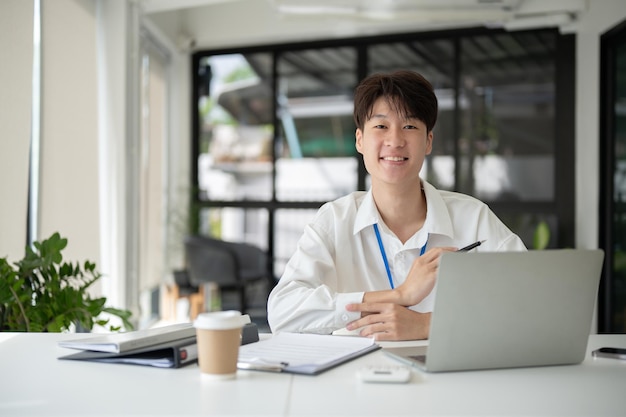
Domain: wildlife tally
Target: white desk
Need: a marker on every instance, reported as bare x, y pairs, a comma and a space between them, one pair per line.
34, 383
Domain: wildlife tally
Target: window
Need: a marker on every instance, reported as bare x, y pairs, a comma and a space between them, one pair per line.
315, 158
274, 134
149, 204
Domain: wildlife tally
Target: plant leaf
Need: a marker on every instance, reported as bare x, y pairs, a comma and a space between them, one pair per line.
541, 238
41, 293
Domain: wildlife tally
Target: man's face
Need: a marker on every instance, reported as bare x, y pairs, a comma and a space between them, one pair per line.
393, 148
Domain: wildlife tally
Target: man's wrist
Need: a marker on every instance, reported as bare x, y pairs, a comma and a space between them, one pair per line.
383, 296
398, 297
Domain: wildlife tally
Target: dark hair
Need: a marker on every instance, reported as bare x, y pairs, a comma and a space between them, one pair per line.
408, 92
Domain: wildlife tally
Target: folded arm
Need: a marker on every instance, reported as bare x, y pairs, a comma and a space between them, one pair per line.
385, 314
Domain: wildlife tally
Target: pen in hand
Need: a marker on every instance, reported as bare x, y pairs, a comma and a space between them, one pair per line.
472, 246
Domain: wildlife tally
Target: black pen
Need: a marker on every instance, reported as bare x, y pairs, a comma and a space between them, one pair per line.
472, 246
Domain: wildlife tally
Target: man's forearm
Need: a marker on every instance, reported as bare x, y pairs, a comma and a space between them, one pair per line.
384, 296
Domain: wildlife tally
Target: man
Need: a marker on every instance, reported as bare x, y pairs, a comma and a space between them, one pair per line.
368, 261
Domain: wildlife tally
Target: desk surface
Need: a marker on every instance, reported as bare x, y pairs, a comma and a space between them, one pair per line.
33, 382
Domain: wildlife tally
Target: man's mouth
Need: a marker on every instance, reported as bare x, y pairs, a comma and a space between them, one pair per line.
394, 158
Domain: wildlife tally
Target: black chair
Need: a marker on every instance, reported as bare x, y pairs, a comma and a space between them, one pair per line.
232, 266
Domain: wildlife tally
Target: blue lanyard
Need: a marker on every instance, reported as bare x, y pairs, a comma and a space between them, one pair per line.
382, 252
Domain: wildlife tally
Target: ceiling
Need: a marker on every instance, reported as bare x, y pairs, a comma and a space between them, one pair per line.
212, 24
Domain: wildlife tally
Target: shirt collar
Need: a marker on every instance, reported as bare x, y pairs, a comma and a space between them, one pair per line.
438, 219
367, 213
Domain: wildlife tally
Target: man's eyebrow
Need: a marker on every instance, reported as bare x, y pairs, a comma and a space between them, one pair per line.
384, 116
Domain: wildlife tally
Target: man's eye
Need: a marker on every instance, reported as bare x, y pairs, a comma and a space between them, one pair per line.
379, 126
410, 127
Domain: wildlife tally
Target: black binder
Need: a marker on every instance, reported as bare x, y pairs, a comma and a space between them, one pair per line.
172, 354
165, 355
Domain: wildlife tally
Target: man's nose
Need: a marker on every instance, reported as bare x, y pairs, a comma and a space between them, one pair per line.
395, 138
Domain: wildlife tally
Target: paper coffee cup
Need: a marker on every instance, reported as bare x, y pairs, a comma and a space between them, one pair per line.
218, 336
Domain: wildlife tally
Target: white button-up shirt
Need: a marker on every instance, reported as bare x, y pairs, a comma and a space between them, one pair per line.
338, 258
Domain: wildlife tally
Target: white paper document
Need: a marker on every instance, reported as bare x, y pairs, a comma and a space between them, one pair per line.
303, 353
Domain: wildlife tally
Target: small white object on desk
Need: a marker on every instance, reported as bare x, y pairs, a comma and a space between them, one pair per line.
385, 373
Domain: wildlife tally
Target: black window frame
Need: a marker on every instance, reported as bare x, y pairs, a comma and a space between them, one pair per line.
564, 199
607, 233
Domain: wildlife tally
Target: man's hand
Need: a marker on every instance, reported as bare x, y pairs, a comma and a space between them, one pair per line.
420, 280
389, 321
385, 314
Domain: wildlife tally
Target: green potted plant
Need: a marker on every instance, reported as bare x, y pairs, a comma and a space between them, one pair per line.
42, 293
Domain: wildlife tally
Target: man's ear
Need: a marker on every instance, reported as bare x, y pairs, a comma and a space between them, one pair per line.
429, 143
358, 144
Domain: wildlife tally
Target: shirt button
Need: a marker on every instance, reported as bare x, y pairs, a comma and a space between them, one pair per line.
344, 317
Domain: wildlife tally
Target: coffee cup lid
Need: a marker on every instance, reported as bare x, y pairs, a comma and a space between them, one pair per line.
221, 320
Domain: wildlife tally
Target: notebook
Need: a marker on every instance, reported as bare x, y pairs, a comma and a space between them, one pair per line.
509, 309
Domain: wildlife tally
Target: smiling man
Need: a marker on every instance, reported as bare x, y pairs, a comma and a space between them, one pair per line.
368, 261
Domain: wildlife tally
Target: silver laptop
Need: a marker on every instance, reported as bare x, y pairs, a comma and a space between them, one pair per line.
509, 309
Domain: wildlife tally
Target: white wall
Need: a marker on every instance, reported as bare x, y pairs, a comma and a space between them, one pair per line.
602, 16
69, 143
16, 45
69, 154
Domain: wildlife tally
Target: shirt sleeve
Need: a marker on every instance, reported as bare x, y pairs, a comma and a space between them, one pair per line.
306, 299
501, 238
